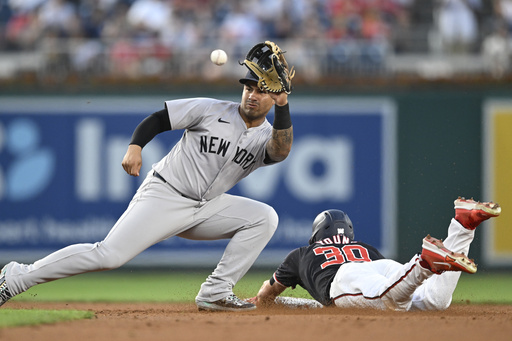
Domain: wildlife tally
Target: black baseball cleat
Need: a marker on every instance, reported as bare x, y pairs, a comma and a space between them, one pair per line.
471, 213
230, 303
5, 294
439, 259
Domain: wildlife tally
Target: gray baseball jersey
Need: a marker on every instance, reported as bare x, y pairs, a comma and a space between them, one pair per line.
216, 150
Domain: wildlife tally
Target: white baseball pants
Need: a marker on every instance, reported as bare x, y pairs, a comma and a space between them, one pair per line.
387, 284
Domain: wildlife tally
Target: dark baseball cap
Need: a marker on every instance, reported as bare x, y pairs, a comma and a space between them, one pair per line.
249, 77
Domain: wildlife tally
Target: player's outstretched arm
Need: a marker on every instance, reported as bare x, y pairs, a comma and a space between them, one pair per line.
280, 144
267, 293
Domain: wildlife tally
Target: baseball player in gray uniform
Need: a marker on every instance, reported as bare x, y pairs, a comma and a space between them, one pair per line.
184, 194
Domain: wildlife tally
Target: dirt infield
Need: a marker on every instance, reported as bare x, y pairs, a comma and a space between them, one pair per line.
116, 322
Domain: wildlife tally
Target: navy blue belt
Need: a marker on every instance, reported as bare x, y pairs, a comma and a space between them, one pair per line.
157, 175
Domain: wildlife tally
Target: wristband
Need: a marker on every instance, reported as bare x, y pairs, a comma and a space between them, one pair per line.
282, 118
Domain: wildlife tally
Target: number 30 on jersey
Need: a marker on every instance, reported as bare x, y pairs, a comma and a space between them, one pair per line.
340, 255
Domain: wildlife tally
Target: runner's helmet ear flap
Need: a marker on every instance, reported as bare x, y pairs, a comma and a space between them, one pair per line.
330, 223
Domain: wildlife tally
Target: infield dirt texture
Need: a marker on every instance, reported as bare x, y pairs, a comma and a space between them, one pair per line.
172, 321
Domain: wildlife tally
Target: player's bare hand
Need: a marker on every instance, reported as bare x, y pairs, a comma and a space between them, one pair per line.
253, 300
132, 160
280, 98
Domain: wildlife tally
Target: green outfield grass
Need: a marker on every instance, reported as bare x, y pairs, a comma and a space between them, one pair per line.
493, 288
25, 317
167, 286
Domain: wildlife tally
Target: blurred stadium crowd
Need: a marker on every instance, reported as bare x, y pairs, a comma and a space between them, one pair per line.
130, 39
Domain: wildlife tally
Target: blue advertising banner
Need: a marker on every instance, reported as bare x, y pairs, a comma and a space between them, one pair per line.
61, 180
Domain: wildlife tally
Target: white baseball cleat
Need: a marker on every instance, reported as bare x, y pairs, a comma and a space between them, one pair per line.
230, 303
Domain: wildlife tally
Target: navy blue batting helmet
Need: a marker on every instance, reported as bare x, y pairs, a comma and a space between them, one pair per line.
331, 223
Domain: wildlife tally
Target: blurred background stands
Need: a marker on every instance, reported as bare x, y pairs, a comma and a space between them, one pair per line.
162, 40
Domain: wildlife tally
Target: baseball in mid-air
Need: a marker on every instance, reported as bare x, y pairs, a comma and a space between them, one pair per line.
219, 57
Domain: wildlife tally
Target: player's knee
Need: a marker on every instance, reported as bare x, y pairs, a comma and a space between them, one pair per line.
110, 260
265, 219
436, 302
439, 303
270, 219
111, 263
273, 219
272, 222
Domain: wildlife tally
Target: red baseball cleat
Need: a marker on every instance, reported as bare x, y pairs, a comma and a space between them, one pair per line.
471, 213
440, 259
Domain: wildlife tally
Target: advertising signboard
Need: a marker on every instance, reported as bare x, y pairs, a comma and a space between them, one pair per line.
61, 180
